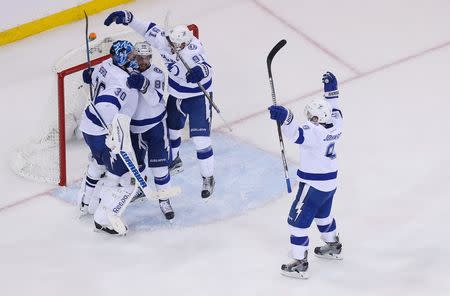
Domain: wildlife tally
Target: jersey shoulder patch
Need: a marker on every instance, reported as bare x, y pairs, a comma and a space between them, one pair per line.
157, 70
192, 46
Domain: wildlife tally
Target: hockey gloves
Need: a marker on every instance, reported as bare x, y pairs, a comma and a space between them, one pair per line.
280, 114
87, 75
138, 81
195, 75
119, 17
330, 87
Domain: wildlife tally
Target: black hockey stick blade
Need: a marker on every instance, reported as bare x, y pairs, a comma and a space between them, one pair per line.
273, 52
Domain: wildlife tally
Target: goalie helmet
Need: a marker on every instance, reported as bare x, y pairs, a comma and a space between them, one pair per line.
121, 52
180, 34
319, 111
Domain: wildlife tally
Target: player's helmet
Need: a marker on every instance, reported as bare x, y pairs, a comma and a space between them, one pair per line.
122, 52
143, 48
143, 52
180, 34
318, 110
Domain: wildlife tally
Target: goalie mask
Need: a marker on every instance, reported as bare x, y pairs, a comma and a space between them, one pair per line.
318, 111
122, 53
143, 55
180, 36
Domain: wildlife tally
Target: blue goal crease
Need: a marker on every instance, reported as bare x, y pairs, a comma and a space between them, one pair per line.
246, 178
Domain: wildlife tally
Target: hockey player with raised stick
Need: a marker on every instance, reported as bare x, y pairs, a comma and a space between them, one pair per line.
112, 101
317, 174
185, 96
148, 124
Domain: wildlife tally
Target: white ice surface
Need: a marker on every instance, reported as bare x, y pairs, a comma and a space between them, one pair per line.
392, 204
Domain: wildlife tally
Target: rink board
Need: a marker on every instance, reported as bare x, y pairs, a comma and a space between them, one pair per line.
246, 178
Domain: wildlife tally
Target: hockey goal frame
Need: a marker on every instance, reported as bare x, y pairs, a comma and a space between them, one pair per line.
61, 75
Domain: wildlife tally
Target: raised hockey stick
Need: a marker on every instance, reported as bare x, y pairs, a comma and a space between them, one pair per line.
208, 96
270, 57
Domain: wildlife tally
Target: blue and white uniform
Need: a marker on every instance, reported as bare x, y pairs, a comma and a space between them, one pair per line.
318, 160
317, 174
112, 96
149, 129
193, 55
185, 98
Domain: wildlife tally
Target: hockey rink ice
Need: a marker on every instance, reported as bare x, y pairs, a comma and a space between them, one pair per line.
392, 204
240, 167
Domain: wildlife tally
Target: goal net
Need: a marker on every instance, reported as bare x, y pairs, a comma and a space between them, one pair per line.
44, 158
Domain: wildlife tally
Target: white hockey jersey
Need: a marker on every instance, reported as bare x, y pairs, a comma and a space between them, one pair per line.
112, 96
151, 107
318, 159
193, 55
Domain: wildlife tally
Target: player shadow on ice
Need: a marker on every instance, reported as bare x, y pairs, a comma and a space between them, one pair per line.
246, 178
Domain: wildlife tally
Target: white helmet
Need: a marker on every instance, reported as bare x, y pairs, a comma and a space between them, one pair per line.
320, 109
180, 34
143, 49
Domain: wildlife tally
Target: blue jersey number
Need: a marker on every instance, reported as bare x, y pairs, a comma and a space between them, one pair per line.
330, 151
119, 93
159, 84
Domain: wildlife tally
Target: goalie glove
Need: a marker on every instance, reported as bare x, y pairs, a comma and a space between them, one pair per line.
119, 137
87, 75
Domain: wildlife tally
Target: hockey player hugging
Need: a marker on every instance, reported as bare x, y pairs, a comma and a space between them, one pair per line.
185, 96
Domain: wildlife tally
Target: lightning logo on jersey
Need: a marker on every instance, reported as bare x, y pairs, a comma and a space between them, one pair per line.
299, 205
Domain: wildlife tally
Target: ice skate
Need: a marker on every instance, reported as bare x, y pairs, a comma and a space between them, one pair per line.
166, 209
176, 166
208, 187
330, 250
296, 269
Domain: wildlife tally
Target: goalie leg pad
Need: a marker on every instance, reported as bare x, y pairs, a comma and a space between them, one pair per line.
86, 198
114, 201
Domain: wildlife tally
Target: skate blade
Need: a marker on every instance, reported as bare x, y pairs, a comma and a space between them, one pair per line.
206, 199
330, 257
297, 275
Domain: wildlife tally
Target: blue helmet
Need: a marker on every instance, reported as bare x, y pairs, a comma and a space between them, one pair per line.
120, 50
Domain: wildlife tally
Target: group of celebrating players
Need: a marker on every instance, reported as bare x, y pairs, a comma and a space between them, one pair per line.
128, 96
129, 88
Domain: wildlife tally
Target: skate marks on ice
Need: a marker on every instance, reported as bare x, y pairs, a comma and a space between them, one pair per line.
246, 178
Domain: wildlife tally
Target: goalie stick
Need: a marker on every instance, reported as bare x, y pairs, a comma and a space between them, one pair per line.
174, 49
270, 57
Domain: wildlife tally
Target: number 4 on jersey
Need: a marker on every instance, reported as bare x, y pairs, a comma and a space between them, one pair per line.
330, 151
